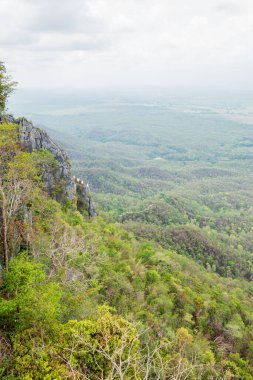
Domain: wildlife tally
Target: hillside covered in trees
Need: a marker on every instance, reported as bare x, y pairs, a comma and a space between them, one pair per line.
88, 298
82, 298
153, 296
126, 190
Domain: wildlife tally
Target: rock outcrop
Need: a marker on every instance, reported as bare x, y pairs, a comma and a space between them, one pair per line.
84, 199
58, 179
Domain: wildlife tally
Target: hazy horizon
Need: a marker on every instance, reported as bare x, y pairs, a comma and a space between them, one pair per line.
41, 101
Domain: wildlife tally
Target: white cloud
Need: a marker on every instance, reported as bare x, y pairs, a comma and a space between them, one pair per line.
111, 42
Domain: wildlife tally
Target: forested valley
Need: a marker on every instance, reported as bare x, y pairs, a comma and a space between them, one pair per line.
158, 285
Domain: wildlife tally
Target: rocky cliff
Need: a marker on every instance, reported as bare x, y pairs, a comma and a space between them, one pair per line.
58, 179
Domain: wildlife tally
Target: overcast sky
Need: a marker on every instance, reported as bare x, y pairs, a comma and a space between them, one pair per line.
77, 43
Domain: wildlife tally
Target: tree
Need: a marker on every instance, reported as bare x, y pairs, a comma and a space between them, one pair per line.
7, 86
8, 149
19, 176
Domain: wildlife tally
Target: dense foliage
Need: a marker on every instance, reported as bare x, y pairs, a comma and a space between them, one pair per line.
172, 168
83, 299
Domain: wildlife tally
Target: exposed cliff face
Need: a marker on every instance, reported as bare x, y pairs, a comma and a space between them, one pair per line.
58, 179
84, 199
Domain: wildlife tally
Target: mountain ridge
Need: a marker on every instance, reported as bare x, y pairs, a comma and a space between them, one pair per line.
36, 139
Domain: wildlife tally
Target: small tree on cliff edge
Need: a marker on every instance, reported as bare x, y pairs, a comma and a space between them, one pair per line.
6, 86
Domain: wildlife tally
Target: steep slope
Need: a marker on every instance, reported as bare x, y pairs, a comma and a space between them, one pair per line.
83, 299
58, 179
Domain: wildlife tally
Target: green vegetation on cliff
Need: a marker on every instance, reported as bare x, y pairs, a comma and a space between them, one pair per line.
83, 299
